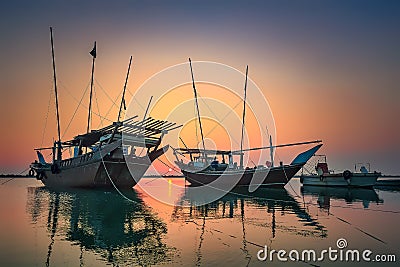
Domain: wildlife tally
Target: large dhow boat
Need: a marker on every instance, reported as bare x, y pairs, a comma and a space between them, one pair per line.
105, 157
217, 167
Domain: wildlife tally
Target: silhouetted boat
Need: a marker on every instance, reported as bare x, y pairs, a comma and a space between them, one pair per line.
198, 172
103, 157
325, 177
205, 169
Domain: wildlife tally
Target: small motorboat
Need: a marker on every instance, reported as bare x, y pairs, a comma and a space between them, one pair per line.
325, 177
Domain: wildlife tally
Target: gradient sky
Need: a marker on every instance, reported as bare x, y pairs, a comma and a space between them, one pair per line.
329, 69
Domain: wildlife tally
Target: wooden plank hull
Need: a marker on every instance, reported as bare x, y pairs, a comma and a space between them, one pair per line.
97, 174
275, 177
105, 168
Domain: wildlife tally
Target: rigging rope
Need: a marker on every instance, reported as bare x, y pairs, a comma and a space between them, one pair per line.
109, 110
114, 104
77, 107
83, 104
222, 120
47, 116
105, 92
216, 117
112, 182
173, 168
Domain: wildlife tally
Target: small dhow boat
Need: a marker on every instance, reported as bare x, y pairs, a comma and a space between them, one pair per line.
105, 157
325, 177
202, 170
208, 167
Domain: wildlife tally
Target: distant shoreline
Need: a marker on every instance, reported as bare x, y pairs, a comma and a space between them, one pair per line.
164, 176
154, 176
28, 176
16, 176
382, 176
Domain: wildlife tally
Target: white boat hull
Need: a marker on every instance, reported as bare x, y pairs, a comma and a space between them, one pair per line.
356, 180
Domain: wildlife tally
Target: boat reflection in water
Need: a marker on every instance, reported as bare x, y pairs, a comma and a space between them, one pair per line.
273, 200
121, 231
350, 195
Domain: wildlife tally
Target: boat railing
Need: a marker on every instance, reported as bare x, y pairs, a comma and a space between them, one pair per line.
77, 160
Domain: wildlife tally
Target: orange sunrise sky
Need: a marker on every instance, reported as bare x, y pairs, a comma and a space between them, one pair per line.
329, 70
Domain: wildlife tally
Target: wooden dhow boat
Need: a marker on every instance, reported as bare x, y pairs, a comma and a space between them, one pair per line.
205, 168
198, 172
104, 157
111, 161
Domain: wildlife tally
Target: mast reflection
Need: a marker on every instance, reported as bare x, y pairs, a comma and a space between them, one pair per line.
273, 199
121, 231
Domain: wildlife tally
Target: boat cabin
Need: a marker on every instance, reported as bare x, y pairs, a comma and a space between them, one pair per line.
322, 168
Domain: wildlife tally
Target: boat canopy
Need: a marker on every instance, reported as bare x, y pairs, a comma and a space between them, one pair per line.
144, 129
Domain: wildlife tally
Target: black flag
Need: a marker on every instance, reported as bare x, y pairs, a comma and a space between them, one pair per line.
93, 52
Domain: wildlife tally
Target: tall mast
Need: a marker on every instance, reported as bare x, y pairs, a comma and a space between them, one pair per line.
55, 83
271, 151
198, 111
123, 93
93, 53
243, 118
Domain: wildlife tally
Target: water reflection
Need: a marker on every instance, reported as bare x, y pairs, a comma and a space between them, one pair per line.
349, 195
271, 212
122, 232
272, 199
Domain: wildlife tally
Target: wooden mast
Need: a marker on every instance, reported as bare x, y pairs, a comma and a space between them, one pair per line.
198, 111
271, 151
93, 53
123, 93
118, 124
276, 146
56, 93
243, 118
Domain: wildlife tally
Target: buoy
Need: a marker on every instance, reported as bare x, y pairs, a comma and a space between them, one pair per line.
347, 174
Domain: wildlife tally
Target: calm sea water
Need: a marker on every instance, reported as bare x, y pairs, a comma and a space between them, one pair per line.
41, 227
